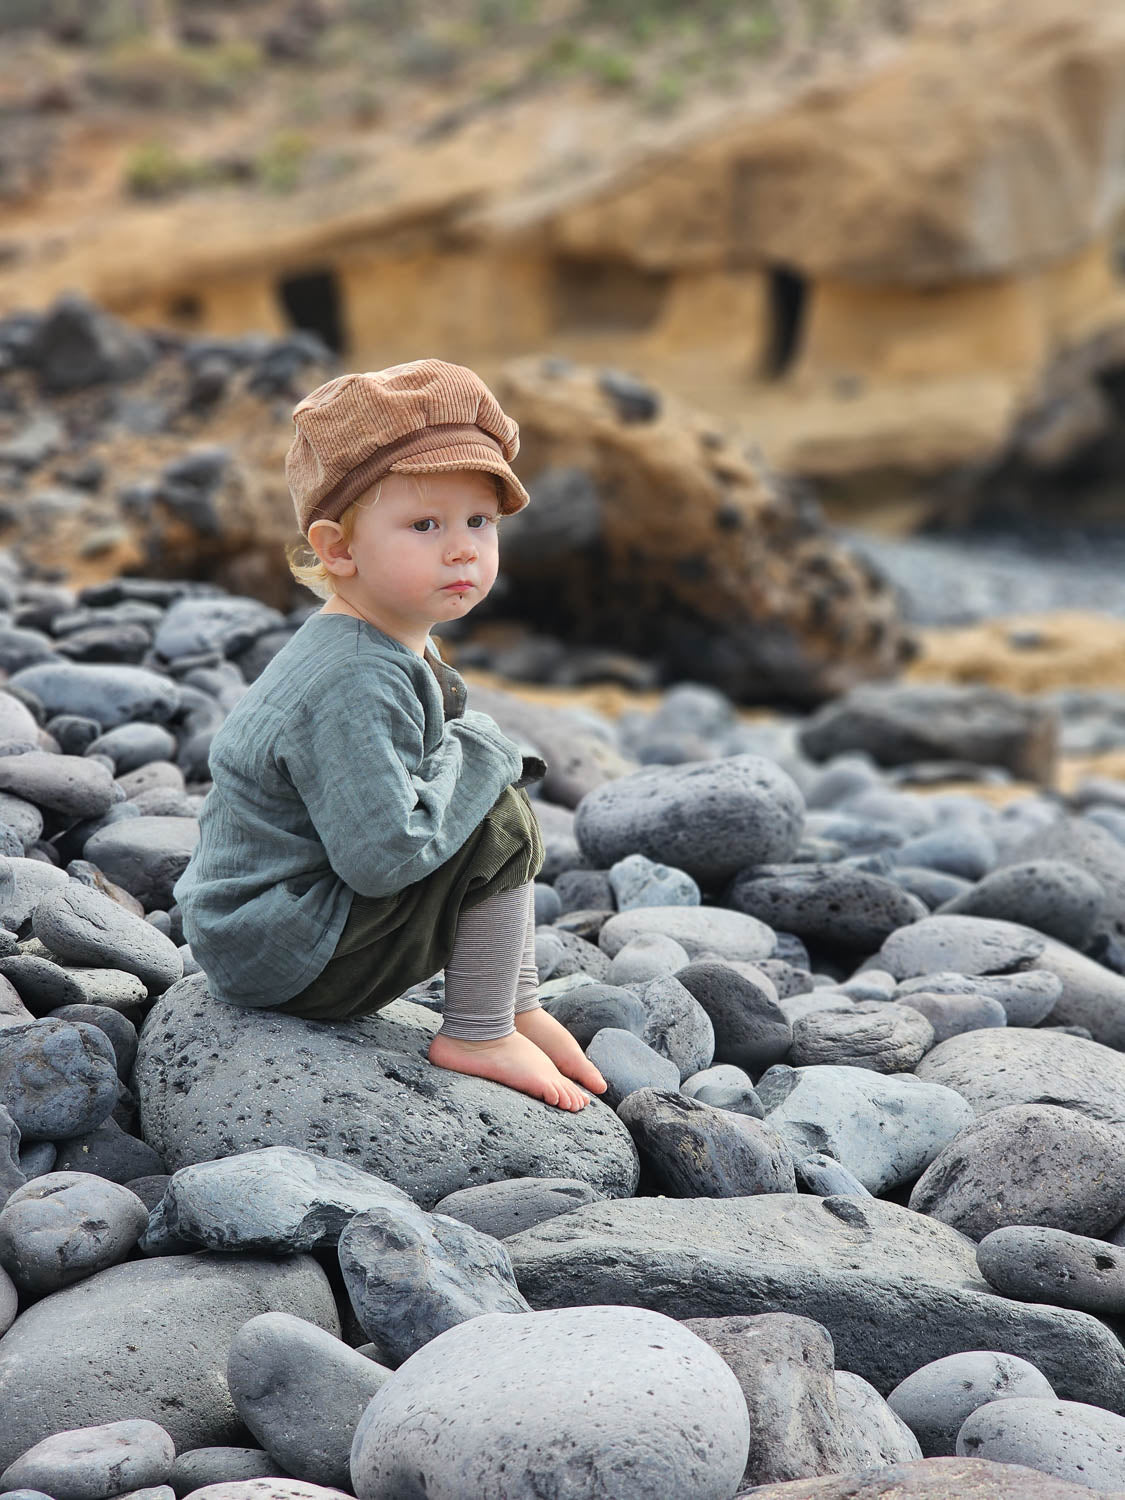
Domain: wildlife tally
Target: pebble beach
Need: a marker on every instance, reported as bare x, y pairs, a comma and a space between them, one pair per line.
851, 1214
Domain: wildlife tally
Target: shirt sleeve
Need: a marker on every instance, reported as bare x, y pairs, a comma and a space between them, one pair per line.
387, 813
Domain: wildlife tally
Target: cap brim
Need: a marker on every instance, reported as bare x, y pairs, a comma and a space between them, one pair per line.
449, 459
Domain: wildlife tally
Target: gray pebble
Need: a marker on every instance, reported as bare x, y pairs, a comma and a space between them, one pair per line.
57, 1079
627, 1063
950, 1015
884, 1128
751, 1030
1037, 1264
23, 884
504, 1208
645, 957
676, 1025
1057, 898
711, 930
1067, 1439
882, 1036
638, 881
587, 1009
1027, 1164
301, 1392
1027, 998
697, 1151
109, 694
411, 1275
827, 1178
36, 1158
94, 1463
121, 1032
875, 1436
43, 985
65, 1226
109, 1152
145, 855
707, 818
132, 745
278, 1199
71, 785
204, 1466
961, 849
833, 905
935, 1401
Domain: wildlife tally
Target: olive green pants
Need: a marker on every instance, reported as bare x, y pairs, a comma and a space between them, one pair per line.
390, 943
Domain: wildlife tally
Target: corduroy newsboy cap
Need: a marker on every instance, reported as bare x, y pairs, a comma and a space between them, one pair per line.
426, 417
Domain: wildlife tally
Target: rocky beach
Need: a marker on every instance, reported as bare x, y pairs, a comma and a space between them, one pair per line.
812, 318
850, 1219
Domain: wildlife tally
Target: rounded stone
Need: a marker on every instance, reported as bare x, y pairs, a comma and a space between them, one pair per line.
886, 1128
751, 1029
835, 906
710, 930
94, 1463
627, 1064
57, 1078
935, 1401
267, 1489
23, 884
145, 855
301, 1392
708, 818
84, 926
950, 1015
110, 695
697, 1151
1027, 1164
1066, 1439
646, 957
643, 1410
505, 1208
211, 1466
132, 745
880, 1035
121, 1032
587, 1009
1017, 1065
425, 1129
411, 1275
1027, 998
1057, 898
164, 1327
970, 945
1038, 1264
70, 785
65, 1226
637, 881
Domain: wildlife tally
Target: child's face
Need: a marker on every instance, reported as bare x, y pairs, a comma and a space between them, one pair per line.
418, 558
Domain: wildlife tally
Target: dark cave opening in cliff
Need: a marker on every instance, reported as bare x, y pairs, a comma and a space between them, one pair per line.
788, 301
593, 296
312, 302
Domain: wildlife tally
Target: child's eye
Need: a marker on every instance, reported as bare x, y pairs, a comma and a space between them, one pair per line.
483, 519
416, 524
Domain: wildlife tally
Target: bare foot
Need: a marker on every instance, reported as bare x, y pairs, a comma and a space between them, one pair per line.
513, 1060
552, 1037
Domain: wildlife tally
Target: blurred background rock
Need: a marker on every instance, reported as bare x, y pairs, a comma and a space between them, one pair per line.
812, 312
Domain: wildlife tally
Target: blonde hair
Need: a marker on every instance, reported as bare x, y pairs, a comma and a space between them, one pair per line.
308, 569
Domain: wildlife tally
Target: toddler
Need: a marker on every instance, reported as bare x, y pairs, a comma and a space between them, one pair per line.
365, 829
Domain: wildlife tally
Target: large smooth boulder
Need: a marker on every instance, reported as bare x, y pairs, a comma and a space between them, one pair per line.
147, 1339
1072, 1440
935, 1400
1019, 1065
1028, 1164
109, 695
92, 1463
835, 905
895, 1289
81, 925
637, 1408
361, 1091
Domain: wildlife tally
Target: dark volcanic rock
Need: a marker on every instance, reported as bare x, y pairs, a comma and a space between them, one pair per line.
839, 906
1017, 1065
710, 818
895, 1289
751, 1030
1028, 1164
697, 1151
362, 1091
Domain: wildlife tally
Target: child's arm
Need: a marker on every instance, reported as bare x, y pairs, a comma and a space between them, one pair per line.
387, 813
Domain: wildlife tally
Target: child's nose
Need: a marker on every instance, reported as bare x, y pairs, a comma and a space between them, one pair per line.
463, 544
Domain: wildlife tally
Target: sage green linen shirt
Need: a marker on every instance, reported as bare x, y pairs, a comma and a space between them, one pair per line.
337, 772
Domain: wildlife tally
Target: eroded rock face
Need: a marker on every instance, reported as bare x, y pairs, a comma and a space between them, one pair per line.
694, 553
359, 1091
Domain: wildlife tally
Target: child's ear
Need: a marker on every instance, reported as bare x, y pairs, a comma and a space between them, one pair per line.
327, 540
